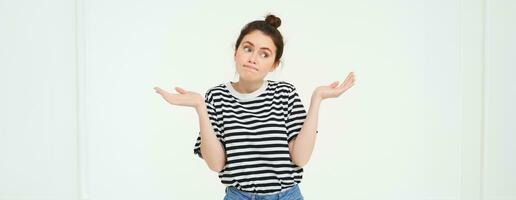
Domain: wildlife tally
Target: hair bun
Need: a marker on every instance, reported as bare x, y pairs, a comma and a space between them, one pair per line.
273, 20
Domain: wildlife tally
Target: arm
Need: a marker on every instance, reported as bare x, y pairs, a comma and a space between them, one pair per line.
302, 146
211, 148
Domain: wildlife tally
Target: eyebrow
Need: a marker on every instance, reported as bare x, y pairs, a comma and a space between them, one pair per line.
260, 48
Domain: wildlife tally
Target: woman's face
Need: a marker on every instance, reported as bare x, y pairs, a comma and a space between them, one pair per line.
254, 57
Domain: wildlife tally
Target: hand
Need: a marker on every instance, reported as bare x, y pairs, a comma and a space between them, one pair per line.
334, 90
184, 98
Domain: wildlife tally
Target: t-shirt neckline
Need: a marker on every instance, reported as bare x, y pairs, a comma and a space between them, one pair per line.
247, 96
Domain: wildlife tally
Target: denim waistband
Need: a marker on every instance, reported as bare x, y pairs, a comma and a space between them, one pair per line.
293, 190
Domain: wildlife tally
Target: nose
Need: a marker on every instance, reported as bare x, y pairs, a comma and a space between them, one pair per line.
252, 58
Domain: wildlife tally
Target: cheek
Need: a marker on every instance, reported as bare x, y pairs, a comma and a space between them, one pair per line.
237, 58
240, 57
268, 63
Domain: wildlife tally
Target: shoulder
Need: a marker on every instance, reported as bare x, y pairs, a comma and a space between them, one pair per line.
283, 86
216, 90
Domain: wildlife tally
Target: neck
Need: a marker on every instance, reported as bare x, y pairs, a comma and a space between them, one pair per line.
244, 86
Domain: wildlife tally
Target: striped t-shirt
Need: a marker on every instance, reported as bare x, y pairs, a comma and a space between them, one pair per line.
255, 129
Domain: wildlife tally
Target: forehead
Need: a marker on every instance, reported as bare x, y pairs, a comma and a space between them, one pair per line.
259, 40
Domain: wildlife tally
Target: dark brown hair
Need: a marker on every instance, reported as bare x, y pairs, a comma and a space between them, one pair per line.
269, 27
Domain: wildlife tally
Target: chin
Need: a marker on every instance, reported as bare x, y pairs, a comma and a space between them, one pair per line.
250, 78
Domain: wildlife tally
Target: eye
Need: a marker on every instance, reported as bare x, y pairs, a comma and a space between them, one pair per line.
247, 49
264, 55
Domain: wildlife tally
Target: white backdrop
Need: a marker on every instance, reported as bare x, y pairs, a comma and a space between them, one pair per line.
429, 117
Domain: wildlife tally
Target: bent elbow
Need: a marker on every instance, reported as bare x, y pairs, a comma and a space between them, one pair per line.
216, 168
300, 163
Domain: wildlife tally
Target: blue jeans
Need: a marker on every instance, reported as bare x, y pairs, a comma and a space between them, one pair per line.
293, 193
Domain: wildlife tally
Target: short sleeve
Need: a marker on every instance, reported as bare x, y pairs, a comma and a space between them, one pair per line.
215, 122
296, 115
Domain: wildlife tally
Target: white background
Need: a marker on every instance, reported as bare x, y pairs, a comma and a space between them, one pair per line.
431, 115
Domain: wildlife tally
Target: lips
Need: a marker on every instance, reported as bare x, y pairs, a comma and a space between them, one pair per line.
250, 67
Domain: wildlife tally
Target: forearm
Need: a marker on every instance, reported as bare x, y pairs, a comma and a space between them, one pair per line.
211, 148
304, 143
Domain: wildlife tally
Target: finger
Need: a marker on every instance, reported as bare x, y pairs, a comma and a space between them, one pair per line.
350, 78
346, 86
345, 81
180, 90
349, 85
158, 90
350, 75
334, 84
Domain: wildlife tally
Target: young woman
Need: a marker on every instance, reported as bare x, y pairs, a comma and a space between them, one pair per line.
256, 133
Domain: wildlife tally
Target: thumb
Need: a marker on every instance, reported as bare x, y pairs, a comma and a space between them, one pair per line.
334, 84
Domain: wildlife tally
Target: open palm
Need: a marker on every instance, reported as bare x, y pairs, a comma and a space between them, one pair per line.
334, 89
183, 98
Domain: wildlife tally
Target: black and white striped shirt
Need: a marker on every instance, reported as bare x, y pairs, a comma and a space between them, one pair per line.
255, 130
